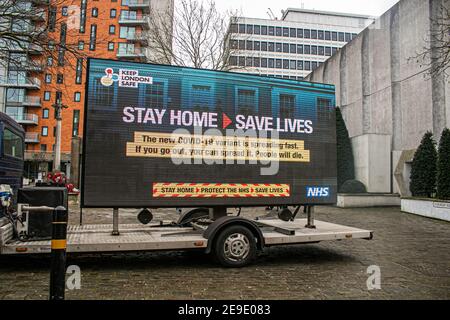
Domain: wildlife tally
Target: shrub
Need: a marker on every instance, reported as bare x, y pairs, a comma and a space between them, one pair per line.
423, 168
443, 166
345, 160
353, 186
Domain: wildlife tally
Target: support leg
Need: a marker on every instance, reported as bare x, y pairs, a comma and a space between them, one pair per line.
310, 217
217, 212
115, 231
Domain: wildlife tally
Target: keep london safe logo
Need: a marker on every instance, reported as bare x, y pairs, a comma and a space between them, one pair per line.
127, 78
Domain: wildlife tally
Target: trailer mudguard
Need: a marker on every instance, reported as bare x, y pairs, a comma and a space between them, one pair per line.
223, 222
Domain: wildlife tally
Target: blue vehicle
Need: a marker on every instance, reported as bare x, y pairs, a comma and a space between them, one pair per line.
12, 147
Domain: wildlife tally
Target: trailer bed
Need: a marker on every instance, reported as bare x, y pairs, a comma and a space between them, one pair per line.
137, 237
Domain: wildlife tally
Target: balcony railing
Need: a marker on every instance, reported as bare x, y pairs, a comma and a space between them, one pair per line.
131, 54
28, 82
131, 20
141, 37
31, 137
144, 5
25, 118
29, 101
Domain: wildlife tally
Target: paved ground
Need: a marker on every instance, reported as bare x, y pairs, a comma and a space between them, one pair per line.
412, 252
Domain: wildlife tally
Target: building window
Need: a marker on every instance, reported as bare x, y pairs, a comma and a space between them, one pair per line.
51, 45
341, 37
285, 32
306, 33
43, 148
334, 36
58, 98
47, 95
292, 48
64, 11
279, 47
80, 45
313, 34
271, 63
256, 45
95, 12
233, 43
51, 19
110, 46
112, 29
299, 49
264, 30
83, 16
249, 29
249, 45
313, 65
263, 46
264, 62
49, 61
257, 29
320, 35
293, 32
242, 28
278, 31
59, 78
271, 31
328, 51
249, 62
327, 35
233, 61
79, 70
299, 33
45, 113
112, 13
233, 28
348, 37
241, 44
307, 65
48, 78
285, 64
278, 63
286, 47
62, 40
321, 51
299, 65
314, 50
75, 122
306, 49
241, 61
44, 131
77, 97
93, 37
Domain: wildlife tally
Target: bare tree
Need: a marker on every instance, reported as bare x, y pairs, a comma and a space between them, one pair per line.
435, 55
199, 33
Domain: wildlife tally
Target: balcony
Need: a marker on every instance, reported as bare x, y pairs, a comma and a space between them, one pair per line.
144, 5
131, 20
31, 137
25, 118
139, 37
30, 48
30, 66
28, 83
28, 101
136, 53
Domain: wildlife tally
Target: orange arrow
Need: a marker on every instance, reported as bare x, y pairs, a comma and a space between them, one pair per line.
225, 121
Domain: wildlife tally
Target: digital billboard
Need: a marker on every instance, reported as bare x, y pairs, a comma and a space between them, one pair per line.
167, 136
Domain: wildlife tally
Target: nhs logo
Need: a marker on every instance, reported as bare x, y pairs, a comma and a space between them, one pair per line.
317, 192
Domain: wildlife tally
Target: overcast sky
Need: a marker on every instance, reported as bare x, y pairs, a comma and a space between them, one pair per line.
259, 8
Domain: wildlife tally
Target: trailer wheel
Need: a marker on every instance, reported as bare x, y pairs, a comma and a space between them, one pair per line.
235, 246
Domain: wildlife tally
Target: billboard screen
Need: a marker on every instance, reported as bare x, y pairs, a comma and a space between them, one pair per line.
166, 136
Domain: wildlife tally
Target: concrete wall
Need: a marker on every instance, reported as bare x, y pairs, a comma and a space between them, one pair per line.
383, 91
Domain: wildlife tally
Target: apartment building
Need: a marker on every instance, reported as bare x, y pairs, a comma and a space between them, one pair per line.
294, 45
111, 29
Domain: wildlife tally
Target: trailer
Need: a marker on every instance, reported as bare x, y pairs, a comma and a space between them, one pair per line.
205, 141
233, 241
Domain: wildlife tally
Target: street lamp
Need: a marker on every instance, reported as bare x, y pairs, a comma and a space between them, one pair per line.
58, 115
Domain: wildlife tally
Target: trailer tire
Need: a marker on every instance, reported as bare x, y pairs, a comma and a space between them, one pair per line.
235, 246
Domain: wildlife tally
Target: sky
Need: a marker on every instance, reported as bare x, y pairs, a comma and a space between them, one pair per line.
259, 8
